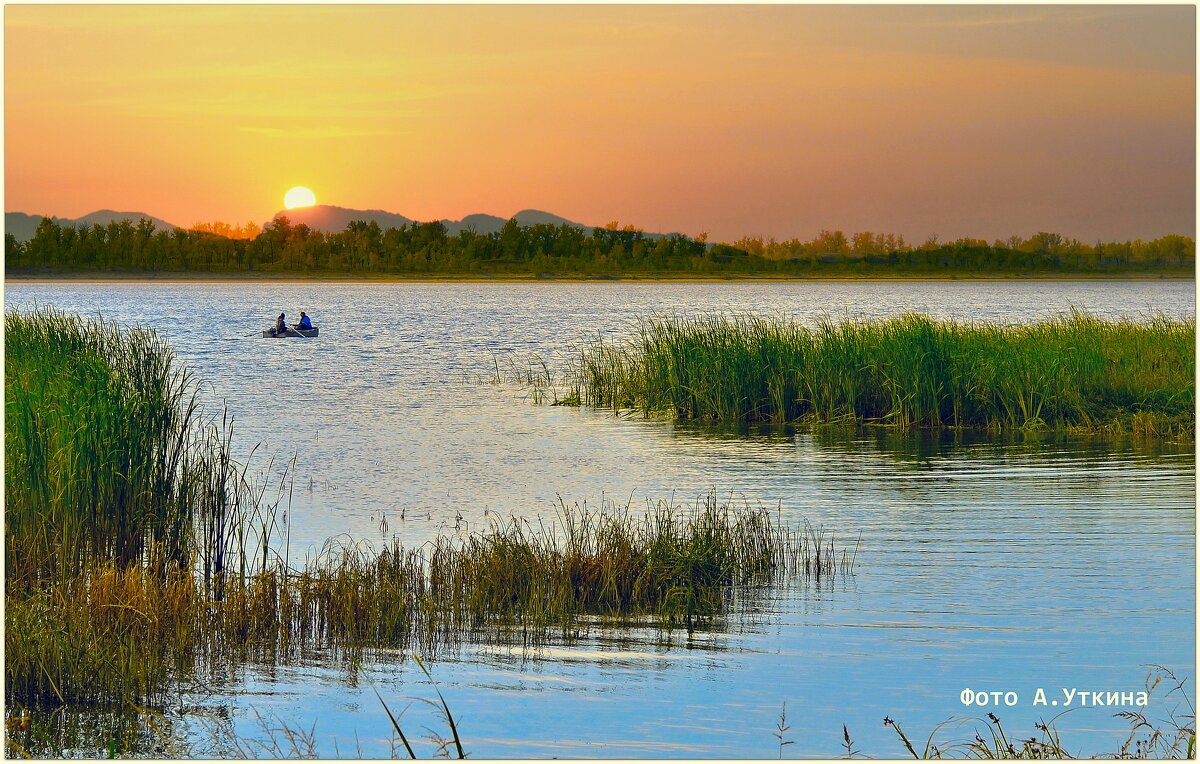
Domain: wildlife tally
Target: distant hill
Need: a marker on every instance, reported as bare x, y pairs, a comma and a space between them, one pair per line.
331, 219
23, 226
20, 225
324, 217
537, 217
321, 217
479, 223
485, 224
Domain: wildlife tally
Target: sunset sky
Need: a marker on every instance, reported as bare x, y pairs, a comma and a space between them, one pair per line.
767, 120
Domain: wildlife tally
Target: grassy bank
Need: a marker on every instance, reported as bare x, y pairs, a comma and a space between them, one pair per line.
137, 551
1075, 372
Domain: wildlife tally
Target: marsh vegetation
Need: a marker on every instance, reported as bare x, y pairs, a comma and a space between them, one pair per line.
141, 554
1075, 372
138, 551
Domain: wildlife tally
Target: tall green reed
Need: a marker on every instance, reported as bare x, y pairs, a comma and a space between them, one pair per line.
110, 458
1074, 371
123, 508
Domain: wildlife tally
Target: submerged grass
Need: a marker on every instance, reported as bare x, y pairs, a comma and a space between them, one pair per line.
128, 632
1073, 372
138, 551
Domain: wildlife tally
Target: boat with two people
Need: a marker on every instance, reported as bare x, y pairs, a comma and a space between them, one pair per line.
304, 328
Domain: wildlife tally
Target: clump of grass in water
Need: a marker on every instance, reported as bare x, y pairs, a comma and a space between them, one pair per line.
672, 562
1074, 372
535, 377
122, 635
671, 566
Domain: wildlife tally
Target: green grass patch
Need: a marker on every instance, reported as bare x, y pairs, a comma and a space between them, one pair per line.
1074, 372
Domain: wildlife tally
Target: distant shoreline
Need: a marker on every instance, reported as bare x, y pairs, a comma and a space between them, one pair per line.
267, 277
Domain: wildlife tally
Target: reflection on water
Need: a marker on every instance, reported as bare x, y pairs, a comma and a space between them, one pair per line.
986, 562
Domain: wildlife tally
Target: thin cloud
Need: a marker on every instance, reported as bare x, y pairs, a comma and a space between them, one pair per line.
1019, 17
320, 132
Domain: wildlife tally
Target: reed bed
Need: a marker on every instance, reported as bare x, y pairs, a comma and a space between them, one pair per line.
122, 509
670, 566
1073, 372
127, 632
95, 433
139, 553
671, 563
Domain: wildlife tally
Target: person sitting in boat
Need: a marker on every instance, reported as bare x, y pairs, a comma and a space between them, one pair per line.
305, 321
281, 326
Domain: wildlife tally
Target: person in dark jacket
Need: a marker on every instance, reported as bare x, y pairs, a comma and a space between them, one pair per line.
280, 326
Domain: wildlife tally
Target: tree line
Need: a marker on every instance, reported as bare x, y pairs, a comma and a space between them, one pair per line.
427, 249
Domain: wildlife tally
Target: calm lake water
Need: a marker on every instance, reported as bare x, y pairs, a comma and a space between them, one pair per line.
994, 564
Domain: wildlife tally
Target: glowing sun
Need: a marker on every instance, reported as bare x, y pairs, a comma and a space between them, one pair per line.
299, 197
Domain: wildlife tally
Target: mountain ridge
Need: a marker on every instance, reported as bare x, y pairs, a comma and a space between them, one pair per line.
323, 217
23, 225
332, 219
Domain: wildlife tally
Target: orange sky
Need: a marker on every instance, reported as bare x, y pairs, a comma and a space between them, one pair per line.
763, 120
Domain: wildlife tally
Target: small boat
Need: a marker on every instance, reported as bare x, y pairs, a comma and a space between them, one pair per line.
292, 332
